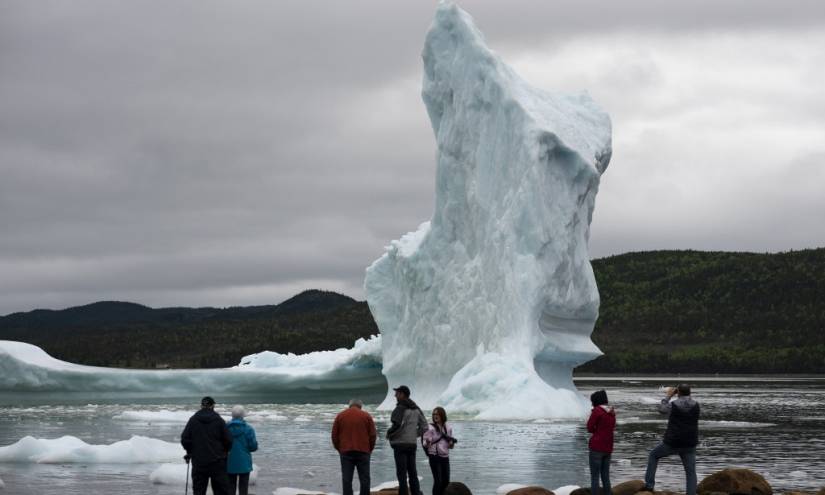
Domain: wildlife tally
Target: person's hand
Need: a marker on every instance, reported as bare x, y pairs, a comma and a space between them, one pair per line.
186, 458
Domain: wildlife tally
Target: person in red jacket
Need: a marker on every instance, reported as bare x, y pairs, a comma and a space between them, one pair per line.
601, 424
353, 436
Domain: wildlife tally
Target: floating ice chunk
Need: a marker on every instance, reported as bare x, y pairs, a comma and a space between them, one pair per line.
175, 474
501, 274
69, 449
24, 367
161, 416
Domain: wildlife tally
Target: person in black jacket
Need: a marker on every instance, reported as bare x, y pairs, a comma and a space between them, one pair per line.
681, 437
207, 442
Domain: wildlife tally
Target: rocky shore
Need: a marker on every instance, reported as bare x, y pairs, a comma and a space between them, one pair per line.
734, 481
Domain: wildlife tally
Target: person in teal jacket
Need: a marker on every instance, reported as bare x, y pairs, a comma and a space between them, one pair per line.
239, 462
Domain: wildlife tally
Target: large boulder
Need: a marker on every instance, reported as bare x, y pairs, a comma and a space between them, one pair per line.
457, 488
735, 481
628, 487
625, 488
532, 490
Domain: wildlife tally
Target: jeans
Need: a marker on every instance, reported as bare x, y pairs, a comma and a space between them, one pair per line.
216, 472
440, 466
688, 456
405, 466
351, 460
239, 482
600, 467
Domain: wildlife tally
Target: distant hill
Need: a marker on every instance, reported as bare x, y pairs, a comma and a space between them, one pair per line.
661, 312
132, 335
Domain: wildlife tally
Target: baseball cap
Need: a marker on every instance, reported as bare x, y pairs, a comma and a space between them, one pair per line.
403, 389
207, 402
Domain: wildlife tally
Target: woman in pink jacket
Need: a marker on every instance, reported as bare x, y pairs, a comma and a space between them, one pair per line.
437, 441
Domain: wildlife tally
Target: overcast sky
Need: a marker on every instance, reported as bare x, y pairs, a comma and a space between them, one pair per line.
235, 153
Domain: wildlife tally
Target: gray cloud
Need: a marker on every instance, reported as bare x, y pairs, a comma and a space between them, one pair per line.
208, 153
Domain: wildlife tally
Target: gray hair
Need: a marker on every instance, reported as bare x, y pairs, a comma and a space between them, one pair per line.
238, 412
356, 402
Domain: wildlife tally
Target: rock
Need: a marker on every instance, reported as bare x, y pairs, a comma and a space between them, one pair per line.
821, 492
386, 491
533, 490
628, 487
457, 488
735, 481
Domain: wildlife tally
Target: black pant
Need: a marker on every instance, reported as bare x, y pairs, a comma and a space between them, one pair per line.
405, 465
351, 460
239, 482
440, 466
216, 471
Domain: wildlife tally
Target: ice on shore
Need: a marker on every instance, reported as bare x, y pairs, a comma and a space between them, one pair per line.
69, 449
489, 306
25, 367
175, 474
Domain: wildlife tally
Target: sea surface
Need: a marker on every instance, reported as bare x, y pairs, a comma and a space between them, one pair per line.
773, 425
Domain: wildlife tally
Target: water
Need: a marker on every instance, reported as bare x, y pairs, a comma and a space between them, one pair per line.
772, 425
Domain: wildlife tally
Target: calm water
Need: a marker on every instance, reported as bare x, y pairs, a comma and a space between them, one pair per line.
774, 426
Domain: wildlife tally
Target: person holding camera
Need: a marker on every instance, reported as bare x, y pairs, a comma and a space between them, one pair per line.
437, 442
681, 436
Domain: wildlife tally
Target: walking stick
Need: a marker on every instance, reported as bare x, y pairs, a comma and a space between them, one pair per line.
186, 492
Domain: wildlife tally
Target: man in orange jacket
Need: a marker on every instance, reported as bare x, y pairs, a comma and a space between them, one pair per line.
353, 435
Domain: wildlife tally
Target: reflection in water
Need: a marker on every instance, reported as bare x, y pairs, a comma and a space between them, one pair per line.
769, 426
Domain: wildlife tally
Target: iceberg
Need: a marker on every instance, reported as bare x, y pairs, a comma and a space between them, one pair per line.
28, 368
69, 449
489, 306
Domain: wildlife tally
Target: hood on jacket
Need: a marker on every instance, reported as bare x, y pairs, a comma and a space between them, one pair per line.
408, 403
207, 416
237, 427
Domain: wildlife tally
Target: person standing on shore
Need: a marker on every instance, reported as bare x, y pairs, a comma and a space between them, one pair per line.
681, 436
239, 463
437, 441
207, 442
353, 436
408, 425
601, 425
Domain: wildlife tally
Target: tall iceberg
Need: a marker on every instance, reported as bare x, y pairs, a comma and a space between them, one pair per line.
488, 307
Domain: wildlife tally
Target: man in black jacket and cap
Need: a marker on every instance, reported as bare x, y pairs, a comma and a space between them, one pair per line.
681, 436
207, 442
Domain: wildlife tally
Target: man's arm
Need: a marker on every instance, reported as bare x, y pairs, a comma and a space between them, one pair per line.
664, 406
336, 433
186, 437
396, 418
226, 438
373, 433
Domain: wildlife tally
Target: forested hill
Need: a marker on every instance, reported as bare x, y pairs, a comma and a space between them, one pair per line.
661, 312
711, 312
131, 335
